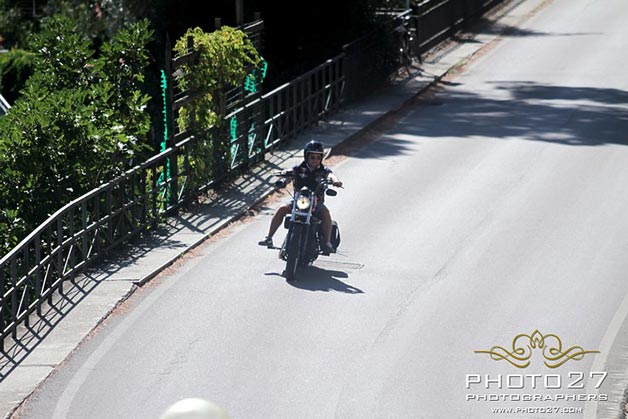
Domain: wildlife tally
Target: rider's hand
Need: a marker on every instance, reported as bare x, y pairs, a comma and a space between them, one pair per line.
338, 183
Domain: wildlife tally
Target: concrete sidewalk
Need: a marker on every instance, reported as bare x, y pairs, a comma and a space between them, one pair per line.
39, 350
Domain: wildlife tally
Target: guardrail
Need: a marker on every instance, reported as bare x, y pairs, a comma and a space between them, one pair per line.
88, 228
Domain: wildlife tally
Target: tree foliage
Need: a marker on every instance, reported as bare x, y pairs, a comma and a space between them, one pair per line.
226, 56
80, 121
15, 68
14, 27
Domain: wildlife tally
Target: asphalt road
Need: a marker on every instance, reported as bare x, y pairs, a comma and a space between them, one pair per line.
494, 208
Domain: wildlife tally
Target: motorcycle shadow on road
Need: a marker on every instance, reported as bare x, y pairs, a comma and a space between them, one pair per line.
314, 278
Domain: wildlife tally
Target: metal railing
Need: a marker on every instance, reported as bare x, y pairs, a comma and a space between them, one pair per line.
431, 14
286, 111
88, 228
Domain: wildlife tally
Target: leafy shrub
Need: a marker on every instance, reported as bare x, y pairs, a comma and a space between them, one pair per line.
16, 66
80, 121
226, 57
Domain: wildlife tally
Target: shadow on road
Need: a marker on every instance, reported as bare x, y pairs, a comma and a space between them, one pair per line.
523, 110
576, 116
29, 337
487, 26
317, 279
314, 278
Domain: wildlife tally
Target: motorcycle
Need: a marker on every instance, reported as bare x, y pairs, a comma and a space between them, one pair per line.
304, 240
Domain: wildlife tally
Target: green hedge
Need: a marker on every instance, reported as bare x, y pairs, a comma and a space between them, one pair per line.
80, 120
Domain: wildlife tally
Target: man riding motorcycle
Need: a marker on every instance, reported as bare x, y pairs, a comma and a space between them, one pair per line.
309, 173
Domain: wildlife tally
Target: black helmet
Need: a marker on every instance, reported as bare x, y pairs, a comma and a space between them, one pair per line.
313, 147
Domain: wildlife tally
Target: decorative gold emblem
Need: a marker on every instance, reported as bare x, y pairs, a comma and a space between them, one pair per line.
524, 345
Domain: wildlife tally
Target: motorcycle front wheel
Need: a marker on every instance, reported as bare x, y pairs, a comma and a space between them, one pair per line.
294, 250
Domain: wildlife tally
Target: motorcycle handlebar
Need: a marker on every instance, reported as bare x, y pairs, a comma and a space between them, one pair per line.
284, 173
290, 174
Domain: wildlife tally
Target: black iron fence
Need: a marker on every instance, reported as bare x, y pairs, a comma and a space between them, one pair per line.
88, 228
430, 15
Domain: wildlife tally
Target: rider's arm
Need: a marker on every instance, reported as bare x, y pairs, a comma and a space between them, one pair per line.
334, 180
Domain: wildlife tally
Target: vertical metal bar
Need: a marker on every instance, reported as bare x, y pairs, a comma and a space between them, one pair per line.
280, 120
84, 236
60, 253
119, 201
50, 261
144, 199
133, 199
27, 292
266, 115
320, 89
310, 97
110, 220
190, 175
38, 283
154, 193
336, 77
239, 10
248, 147
342, 78
302, 104
420, 17
70, 258
315, 92
329, 86
294, 109
13, 274
97, 222
3, 308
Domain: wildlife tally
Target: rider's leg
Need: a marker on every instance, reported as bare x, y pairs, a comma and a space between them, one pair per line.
325, 216
278, 219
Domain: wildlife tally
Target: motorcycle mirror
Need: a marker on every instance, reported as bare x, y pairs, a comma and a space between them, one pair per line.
281, 183
331, 192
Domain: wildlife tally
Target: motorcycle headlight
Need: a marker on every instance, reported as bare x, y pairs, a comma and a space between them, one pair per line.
303, 203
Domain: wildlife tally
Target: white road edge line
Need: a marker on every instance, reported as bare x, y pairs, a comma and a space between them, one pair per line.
590, 407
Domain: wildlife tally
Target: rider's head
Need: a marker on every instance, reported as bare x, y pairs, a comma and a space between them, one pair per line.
313, 153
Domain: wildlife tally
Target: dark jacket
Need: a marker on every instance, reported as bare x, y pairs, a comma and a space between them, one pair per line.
303, 176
